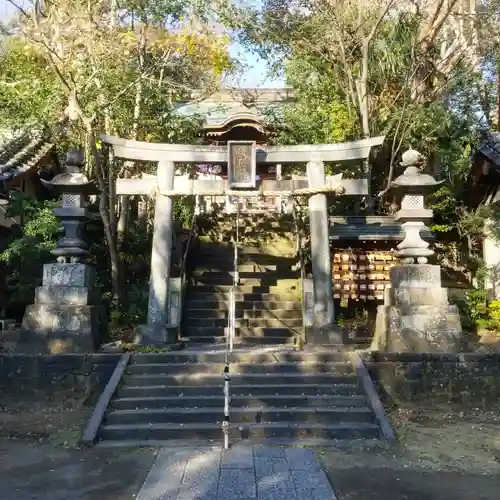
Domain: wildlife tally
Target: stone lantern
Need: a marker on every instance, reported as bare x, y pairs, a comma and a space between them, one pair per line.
416, 316
63, 317
414, 186
73, 186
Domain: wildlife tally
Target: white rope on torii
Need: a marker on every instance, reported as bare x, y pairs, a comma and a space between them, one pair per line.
286, 193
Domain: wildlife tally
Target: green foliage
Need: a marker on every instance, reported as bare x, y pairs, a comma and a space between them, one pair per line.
184, 210
473, 309
494, 315
30, 94
29, 247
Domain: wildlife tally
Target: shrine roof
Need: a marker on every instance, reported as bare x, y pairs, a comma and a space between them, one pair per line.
490, 148
21, 151
234, 105
369, 228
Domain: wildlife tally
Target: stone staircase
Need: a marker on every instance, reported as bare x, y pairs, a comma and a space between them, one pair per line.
268, 303
277, 395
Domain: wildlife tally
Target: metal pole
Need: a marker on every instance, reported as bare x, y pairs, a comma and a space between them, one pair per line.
225, 423
236, 249
232, 318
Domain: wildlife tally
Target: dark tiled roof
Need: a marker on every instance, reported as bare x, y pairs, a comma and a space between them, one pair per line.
21, 152
369, 228
490, 148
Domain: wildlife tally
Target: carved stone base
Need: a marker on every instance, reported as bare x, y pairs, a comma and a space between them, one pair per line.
418, 329
60, 328
61, 320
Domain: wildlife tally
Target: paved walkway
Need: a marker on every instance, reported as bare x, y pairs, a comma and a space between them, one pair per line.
258, 473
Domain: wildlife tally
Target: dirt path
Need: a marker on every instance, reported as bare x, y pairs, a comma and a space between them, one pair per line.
40, 458
443, 452
34, 471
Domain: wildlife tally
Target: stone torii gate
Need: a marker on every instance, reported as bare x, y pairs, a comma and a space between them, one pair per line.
241, 182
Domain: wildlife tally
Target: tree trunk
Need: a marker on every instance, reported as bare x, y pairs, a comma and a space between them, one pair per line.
123, 221
497, 124
106, 212
364, 109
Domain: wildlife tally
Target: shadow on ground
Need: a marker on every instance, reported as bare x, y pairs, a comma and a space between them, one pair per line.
383, 483
32, 471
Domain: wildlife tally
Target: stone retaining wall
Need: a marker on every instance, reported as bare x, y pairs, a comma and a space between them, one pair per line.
80, 373
465, 378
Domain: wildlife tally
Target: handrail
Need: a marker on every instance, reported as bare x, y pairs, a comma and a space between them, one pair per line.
231, 324
188, 242
182, 274
301, 261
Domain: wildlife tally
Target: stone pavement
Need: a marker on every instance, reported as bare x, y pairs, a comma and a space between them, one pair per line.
258, 473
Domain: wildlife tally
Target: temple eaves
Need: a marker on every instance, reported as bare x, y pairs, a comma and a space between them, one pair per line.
229, 108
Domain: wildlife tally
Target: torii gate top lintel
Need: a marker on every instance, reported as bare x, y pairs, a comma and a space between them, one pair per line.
181, 153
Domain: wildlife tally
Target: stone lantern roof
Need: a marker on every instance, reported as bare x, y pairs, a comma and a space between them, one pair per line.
413, 180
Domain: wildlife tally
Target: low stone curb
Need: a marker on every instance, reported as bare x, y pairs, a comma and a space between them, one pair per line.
90, 434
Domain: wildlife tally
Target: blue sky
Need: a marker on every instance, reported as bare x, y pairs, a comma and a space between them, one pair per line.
255, 74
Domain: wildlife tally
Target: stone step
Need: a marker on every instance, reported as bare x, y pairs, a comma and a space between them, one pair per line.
215, 313
208, 293
226, 258
344, 430
251, 356
294, 401
205, 302
244, 323
223, 291
209, 280
244, 270
240, 332
335, 444
239, 368
262, 379
256, 391
249, 415
246, 340
225, 267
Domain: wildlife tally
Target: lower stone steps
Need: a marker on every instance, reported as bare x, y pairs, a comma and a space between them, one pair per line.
236, 390
212, 431
215, 368
262, 378
286, 400
246, 415
275, 394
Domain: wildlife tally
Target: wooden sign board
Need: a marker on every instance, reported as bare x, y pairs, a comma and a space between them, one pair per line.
241, 164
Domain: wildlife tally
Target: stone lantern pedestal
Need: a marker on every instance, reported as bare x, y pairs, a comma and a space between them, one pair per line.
416, 315
64, 317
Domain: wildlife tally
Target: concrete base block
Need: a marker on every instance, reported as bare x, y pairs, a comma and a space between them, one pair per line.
155, 335
324, 335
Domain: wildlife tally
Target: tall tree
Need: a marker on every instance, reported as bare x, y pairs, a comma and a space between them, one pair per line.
375, 67
117, 70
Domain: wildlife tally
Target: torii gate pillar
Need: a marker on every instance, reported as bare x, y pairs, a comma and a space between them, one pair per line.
162, 249
323, 312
